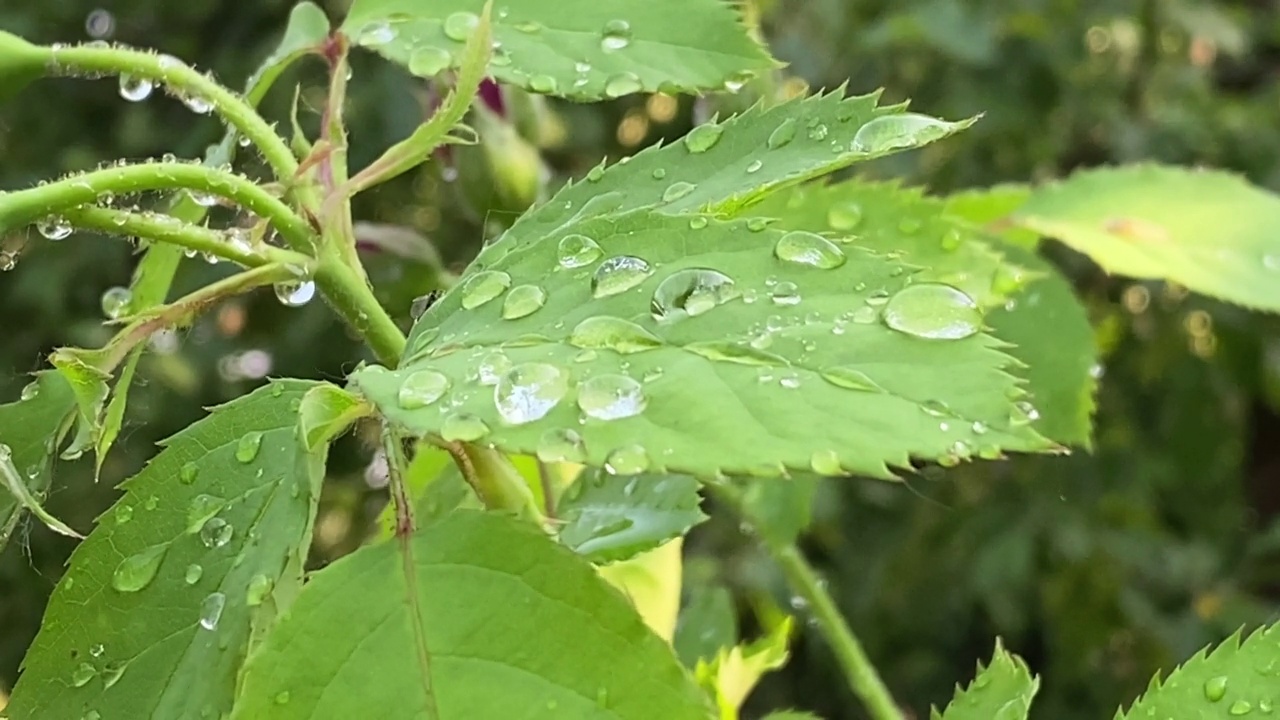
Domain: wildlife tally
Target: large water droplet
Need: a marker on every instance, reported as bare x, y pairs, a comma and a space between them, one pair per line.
577, 251
522, 301
483, 287
429, 61
1215, 688
691, 292
492, 367
703, 138
622, 84
211, 610
463, 427
83, 673
616, 35
785, 293
137, 571
259, 588
248, 447
54, 228
216, 533
627, 460
1240, 707
806, 248
529, 391
933, 311
202, 508
899, 130
135, 89
611, 333
731, 352
561, 445
421, 389
783, 134
826, 462
677, 190
611, 397
460, 25
844, 216
295, 293
850, 379
619, 274
116, 301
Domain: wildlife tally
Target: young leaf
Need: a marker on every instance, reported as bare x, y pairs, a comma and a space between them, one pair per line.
1208, 230
651, 581
614, 517
32, 428
1233, 680
475, 616
1002, 691
699, 347
734, 672
153, 617
20, 63
12, 482
707, 623
89, 384
326, 413
584, 49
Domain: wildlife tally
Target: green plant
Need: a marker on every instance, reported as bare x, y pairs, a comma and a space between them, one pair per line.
698, 318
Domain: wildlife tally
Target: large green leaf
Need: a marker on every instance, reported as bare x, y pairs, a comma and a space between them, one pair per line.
31, 428
584, 49
1234, 680
1208, 230
474, 616
613, 517
1003, 690
153, 618
782, 365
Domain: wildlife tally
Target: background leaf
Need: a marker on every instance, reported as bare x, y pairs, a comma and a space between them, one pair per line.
427, 627
734, 672
1002, 691
614, 517
651, 581
32, 428
584, 49
154, 615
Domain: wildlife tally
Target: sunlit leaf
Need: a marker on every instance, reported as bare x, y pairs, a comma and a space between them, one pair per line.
584, 49
89, 385
327, 411
153, 617
32, 429
475, 616
613, 517
1002, 691
990, 208
731, 675
651, 581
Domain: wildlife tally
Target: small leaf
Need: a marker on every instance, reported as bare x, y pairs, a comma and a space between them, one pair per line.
708, 623
582, 49
32, 428
20, 63
651, 581
1002, 691
476, 616
1234, 680
1208, 230
614, 517
153, 617
89, 384
327, 412
734, 672
16, 485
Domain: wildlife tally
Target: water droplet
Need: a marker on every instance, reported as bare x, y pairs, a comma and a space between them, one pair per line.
54, 228
785, 293
899, 130
458, 26
91, 715
211, 610
806, 248
116, 301
528, 27
1215, 688
561, 445
595, 174
529, 391
83, 674
247, 448
737, 81
8, 260
282, 697
611, 333
757, 224
1023, 413
463, 427
522, 301
703, 137
492, 367
850, 379
259, 588
379, 33
123, 513
622, 84
421, 389
188, 473
818, 132
677, 190
112, 672
97, 649
844, 216
698, 223
135, 89
790, 381
483, 287
731, 352
429, 61
933, 311
197, 104
137, 571
611, 397
295, 293
627, 460
202, 508
619, 274
691, 292
216, 533
783, 134
826, 462
755, 166
193, 574
577, 251
616, 35
542, 84
1240, 707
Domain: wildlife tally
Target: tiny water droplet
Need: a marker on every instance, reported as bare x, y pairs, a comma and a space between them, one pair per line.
806, 248
575, 251
96, 650
135, 89
116, 302
611, 397
216, 533
757, 224
248, 447
826, 462
622, 84
615, 35
659, 173
896, 131
295, 293
1240, 707
123, 513
595, 174
627, 460
282, 697
785, 293
522, 301
54, 228
754, 167
193, 574
619, 274
460, 25
1023, 413
492, 367
703, 137
188, 473
138, 570
850, 379
697, 223
463, 427
933, 311
201, 508
483, 287
561, 445
259, 588
691, 292
677, 190
783, 134
429, 61
197, 104
83, 673
211, 610
542, 84
529, 391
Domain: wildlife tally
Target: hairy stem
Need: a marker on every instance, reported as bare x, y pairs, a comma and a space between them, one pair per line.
400, 497
805, 583
168, 229
349, 293
184, 81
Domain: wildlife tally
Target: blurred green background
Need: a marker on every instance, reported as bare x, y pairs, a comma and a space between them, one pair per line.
1098, 568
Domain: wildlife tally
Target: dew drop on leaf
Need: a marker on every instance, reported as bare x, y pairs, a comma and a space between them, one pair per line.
806, 248
492, 367
528, 27
135, 89
933, 311
1215, 688
783, 134
575, 251
112, 672
611, 397
529, 391
282, 697
616, 35
735, 353
54, 228
542, 84
463, 427
197, 104
522, 301
627, 460
460, 25
621, 84
595, 174
561, 445
123, 513
703, 137
193, 574
137, 571
30, 391
755, 166
116, 301
692, 292
757, 224
421, 389
785, 293
844, 216
826, 462
1023, 413
188, 473
97, 649
1240, 707
677, 190
216, 533
259, 588
248, 447
850, 379
429, 61
619, 274
612, 333
896, 131
211, 610
83, 673
697, 223
374, 34
295, 293
483, 287
201, 508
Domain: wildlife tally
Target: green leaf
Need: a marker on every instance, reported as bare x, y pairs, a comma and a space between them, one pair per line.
20, 64
327, 412
1233, 680
614, 517
651, 581
1051, 336
15, 484
708, 622
1003, 690
1210, 231
475, 616
584, 49
734, 672
791, 715
780, 511
153, 617
991, 207
32, 428
89, 384
791, 371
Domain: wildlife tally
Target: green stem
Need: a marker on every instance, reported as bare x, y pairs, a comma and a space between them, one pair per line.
805, 583
171, 230
400, 496
25, 206
184, 81
349, 293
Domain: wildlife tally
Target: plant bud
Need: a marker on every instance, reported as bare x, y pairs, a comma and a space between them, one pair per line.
503, 173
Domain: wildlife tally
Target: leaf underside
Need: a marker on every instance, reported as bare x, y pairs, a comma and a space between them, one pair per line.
136, 627
1003, 690
31, 429
608, 518
473, 602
